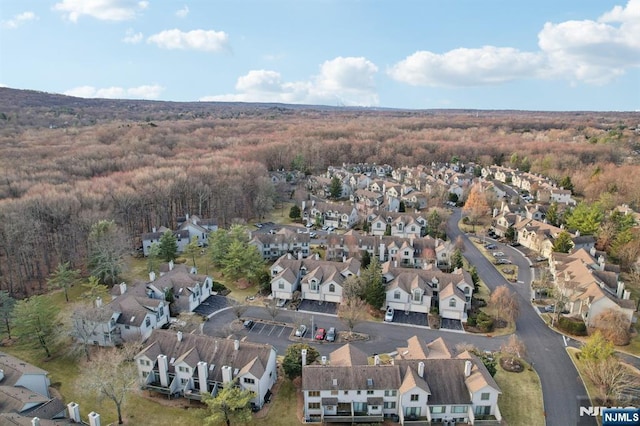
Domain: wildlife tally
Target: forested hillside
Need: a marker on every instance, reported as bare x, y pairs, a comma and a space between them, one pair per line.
66, 163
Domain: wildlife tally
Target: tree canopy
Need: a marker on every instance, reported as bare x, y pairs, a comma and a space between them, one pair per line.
292, 362
107, 249
231, 404
168, 246
64, 277
35, 322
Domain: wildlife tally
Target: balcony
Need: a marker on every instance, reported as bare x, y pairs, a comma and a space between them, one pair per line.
353, 419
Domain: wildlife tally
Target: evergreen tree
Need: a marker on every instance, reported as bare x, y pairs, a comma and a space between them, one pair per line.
294, 212
232, 403
36, 322
168, 247
456, 259
563, 243
7, 303
585, 218
373, 284
292, 362
335, 188
366, 259
63, 277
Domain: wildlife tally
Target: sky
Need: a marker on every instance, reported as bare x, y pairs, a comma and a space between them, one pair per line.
548, 55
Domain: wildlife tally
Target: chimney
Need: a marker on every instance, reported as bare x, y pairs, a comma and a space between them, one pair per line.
203, 375
382, 254
626, 295
303, 353
179, 334
123, 288
99, 302
74, 412
35, 421
94, 419
376, 360
186, 217
324, 360
317, 256
236, 344
163, 370
227, 374
620, 289
153, 229
300, 255
421, 369
152, 276
467, 368
171, 265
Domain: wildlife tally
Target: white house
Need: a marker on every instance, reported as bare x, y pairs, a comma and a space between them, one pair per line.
423, 383
190, 365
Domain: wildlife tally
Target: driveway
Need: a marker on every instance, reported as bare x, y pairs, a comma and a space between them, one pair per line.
561, 385
330, 308
211, 304
413, 318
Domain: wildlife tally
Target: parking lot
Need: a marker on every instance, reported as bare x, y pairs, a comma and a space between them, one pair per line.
266, 329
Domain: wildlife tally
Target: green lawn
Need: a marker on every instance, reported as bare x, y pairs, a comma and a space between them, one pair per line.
520, 390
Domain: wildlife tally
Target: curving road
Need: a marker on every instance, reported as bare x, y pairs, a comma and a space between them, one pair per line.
561, 384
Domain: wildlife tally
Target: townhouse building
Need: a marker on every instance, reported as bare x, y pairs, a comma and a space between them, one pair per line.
423, 383
187, 365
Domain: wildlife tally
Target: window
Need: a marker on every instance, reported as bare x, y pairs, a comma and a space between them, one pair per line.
346, 392
378, 225
144, 362
183, 369
452, 303
388, 405
314, 406
334, 392
369, 392
147, 322
145, 374
314, 393
417, 295
358, 392
459, 409
281, 285
184, 381
249, 380
396, 295
332, 288
437, 409
374, 407
414, 397
390, 392
485, 396
482, 410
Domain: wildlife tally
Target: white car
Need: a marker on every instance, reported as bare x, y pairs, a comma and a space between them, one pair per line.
388, 316
498, 254
300, 332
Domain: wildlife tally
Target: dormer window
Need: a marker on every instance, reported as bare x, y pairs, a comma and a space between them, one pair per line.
452, 303
313, 285
417, 295
332, 288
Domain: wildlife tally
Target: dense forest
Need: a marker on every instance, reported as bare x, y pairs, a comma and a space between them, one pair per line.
66, 163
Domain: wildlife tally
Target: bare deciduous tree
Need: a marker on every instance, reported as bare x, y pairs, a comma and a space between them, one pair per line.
111, 376
505, 303
352, 312
614, 326
272, 308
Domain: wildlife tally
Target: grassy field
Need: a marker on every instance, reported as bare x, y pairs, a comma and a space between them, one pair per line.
520, 390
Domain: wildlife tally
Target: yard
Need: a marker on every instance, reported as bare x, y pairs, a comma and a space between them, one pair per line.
520, 390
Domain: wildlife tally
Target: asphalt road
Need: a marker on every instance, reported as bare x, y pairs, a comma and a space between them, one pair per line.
561, 384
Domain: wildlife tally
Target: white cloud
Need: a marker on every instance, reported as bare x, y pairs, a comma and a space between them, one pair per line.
132, 37
114, 92
466, 67
208, 41
580, 51
341, 81
594, 51
19, 19
104, 10
182, 13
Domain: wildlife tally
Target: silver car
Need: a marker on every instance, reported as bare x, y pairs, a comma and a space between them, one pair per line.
301, 330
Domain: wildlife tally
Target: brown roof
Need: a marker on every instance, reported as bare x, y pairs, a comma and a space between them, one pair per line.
321, 377
211, 350
348, 355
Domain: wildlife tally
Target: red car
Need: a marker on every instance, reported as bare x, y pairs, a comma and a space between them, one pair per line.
320, 333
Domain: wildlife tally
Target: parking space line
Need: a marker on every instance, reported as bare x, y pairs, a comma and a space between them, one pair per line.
282, 331
273, 327
260, 331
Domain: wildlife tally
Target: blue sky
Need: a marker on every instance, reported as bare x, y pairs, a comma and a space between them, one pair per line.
501, 54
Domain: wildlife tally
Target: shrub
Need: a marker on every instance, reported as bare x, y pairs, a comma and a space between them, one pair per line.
575, 327
484, 322
219, 287
471, 322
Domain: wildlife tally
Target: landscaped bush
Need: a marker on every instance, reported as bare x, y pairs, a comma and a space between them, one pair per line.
471, 321
219, 287
484, 322
571, 326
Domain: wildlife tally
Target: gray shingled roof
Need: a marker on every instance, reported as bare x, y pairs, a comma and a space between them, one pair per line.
321, 377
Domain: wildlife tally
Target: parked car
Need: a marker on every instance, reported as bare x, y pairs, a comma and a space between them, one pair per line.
549, 308
301, 330
248, 324
491, 246
331, 335
309, 225
503, 261
324, 228
498, 254
388, 316
331, 229
320, 333
281, 302
313, 234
